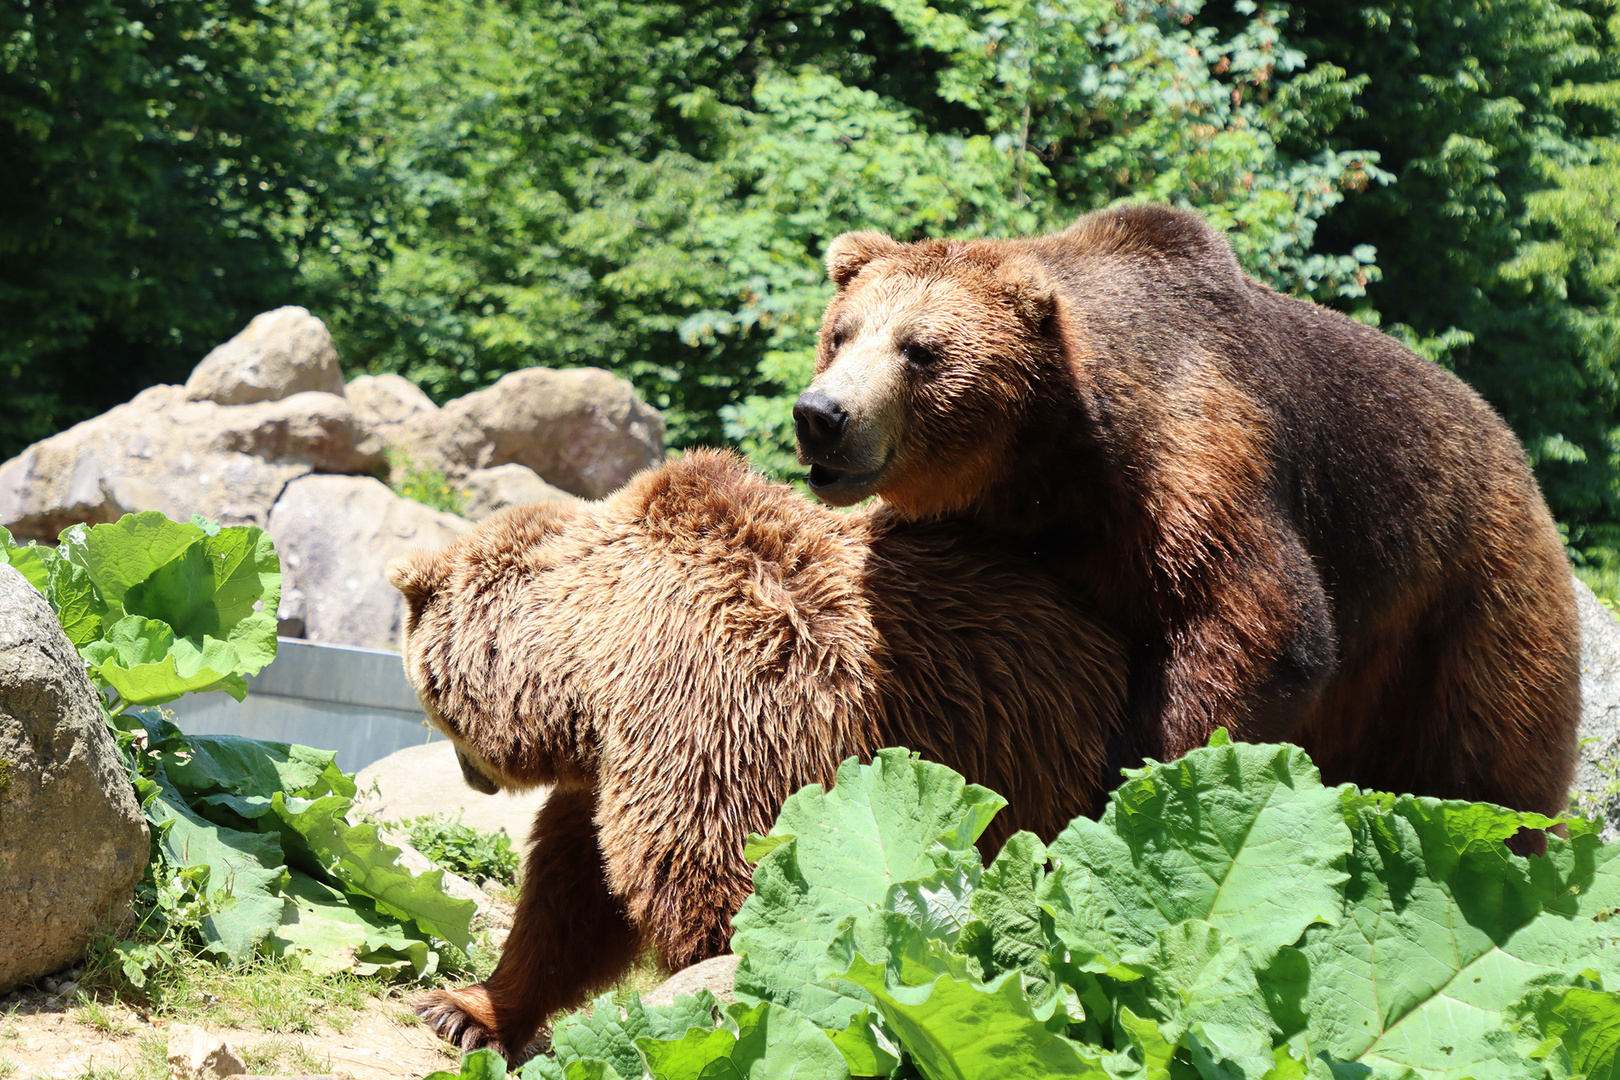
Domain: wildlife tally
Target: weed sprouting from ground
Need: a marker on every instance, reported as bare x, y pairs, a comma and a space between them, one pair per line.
99, 1016
281, 1055
475, 854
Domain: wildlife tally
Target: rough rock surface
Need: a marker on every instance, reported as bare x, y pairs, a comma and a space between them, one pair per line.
73, 842
422, 780
280, 353
335, 535
1597, 775
716, 975
484, 491
385, 400
195, 1054
582, 429
162, 452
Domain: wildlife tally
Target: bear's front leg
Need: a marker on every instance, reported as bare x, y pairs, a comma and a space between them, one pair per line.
569, 937
1250, 649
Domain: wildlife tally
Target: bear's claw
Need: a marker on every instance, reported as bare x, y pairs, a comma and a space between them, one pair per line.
444, 1012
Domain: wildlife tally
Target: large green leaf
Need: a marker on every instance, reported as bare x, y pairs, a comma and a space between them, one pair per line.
608, 1032
1243, 836
1575, 1028
1199, 986
78, 605
478, 1065
354, 856
239, 766
143, 660
331, 931
1444, 930
226, 587
957, 1030
836, 855
770, 1043
121, 555
30, 560
245, 873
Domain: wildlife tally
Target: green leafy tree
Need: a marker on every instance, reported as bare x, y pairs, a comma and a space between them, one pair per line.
1497, 237
148, 159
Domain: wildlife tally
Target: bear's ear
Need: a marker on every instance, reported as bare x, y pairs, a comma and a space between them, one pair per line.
417, 575
1024, 282
853, 250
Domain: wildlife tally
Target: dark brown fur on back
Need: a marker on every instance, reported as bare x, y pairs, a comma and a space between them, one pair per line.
1305, 531
683, 656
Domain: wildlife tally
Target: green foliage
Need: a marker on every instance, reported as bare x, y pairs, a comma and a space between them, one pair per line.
150, 156
1227, 917
476, 854
253, 853
428, 486
1497, 237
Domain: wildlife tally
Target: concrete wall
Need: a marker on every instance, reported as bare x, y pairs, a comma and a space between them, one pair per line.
336, 697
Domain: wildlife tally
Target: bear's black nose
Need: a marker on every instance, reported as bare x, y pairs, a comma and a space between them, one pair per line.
819, 422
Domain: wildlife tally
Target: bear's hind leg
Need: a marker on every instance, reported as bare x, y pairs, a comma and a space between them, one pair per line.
569, 937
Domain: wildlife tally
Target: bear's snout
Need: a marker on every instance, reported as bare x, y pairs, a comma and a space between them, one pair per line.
819, 422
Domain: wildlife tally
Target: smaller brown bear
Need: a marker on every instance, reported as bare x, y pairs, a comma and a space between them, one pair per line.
1305, 531
680, 658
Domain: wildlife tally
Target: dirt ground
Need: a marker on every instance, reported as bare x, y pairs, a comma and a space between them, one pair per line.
42, 1038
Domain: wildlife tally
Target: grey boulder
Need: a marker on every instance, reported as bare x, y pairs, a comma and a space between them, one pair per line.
580, 429
336, 535
73, 842
1597, 773
383, 401
280, 353
161, 451
486, 491
718, 975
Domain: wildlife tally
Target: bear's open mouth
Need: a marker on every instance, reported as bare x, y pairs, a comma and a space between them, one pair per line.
821, 476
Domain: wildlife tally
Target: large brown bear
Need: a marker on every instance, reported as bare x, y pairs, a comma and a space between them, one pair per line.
1306, 532
680, 658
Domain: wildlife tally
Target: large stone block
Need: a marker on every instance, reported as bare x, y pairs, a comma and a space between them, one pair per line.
280, 353
163, 452
1597, 773
335, 535
73, 842
583, 430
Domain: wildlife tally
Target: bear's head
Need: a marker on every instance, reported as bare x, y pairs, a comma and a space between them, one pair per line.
558, 641
931, 356
464, 607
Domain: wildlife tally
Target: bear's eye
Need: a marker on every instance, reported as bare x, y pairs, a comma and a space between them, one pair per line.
836, 340
917, 353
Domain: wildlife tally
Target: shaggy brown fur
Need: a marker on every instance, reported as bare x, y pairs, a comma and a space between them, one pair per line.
1306, 531
683, 656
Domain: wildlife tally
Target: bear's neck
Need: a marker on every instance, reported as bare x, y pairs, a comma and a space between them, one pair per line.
1067, 505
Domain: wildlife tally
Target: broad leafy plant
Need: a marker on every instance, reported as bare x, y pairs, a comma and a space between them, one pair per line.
1228, 917
253, 849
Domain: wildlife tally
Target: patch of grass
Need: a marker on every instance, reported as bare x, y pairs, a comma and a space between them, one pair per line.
94, 1071
270, 995
280, 996
8, 1024
152, 1057
644, 976
8, 1068
475, 854
99, 1016
284, 1056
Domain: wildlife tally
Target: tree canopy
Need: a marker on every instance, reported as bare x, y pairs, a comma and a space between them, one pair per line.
464, 187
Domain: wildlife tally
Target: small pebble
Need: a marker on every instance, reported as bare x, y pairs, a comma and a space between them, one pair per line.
50, 984
67, 989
